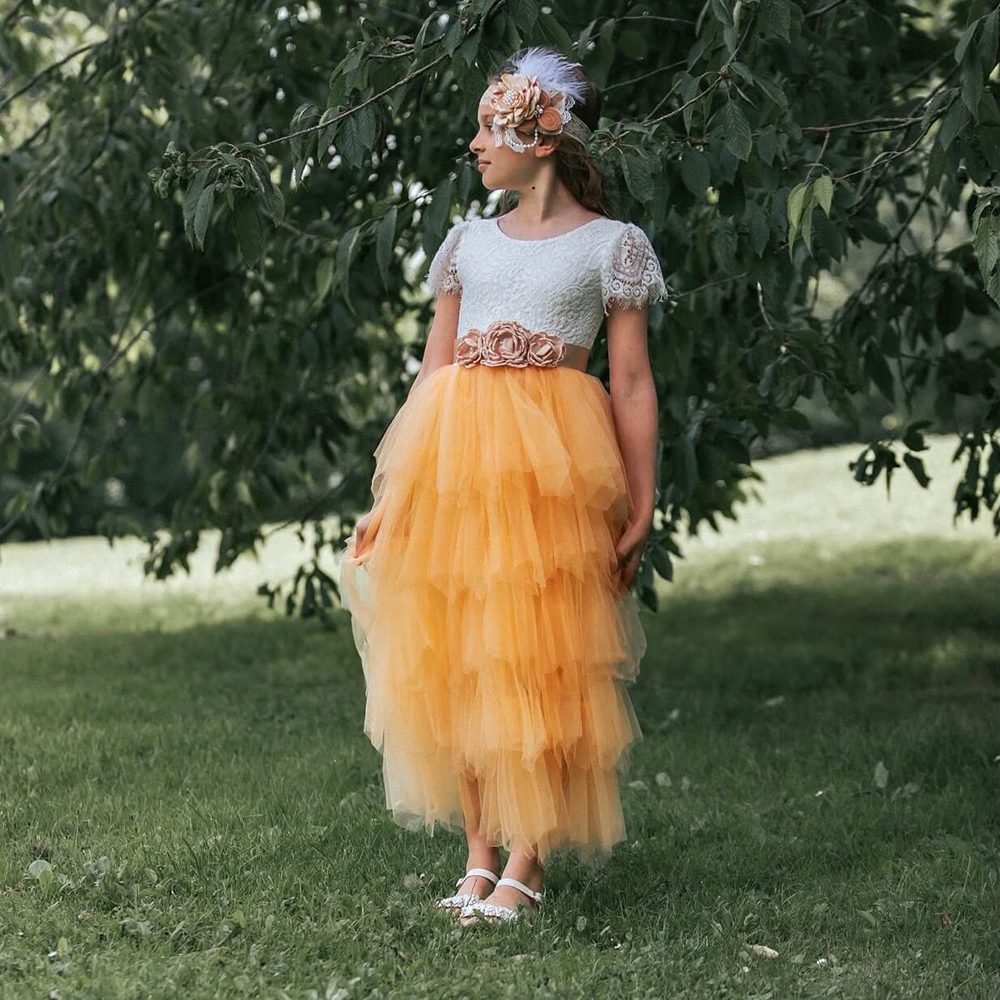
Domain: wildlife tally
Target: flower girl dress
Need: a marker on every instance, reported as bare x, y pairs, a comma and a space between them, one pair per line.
485, 606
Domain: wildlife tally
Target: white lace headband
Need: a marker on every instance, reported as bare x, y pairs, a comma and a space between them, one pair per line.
537, 95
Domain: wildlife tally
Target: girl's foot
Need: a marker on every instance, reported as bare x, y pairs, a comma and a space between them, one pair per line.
522, 873
484, 909
477, 883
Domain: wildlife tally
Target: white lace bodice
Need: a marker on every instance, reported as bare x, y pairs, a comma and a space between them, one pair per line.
563, 284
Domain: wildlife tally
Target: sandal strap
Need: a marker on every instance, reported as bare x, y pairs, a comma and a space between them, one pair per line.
482, 872
527, 890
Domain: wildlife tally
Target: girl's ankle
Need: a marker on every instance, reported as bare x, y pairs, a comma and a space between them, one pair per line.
483, 859
531, 874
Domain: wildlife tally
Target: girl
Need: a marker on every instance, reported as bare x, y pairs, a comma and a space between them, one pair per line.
513, 496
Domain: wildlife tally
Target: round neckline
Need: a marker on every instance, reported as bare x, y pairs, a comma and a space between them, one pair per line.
544, 239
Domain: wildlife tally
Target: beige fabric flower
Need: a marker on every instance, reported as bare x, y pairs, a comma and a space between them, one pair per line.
469, 349
505, 342
518, 101
514, 99
545, 349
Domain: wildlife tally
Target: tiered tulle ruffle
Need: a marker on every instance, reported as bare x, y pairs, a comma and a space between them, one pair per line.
486, 609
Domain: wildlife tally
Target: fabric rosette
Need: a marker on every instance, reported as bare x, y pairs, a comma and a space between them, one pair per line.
545, 350
507, 342
519, 101
469, 349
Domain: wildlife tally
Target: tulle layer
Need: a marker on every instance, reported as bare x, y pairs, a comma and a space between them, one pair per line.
485, 606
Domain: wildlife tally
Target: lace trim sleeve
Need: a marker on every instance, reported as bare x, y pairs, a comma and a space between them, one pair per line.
442, 276
631, 275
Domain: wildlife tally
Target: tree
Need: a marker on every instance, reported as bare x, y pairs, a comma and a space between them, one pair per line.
253, 306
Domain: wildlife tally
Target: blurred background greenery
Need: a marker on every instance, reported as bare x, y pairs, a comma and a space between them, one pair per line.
216, 223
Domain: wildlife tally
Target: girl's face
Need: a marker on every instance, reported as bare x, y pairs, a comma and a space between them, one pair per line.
501, 166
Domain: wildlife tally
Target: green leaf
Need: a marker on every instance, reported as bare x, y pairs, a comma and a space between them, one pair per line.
347, 250
950, 304
871, 229
243, 492
972, 83
215, 486
278, 205
775, 18
774, 94
661, 561
824, 191
723, 242
638, 177
454, 36
722, 13
368, 125
191, 197
954, 121
767, 145
202, 214
915, 464
553, 32
986, 242
798, 205
439, 213
352, 146
324, 278
384, 244
421, 37
249, 230
877, 369
989, 41
737, 131
794, 419
807, 216
696, 172
759, 231
966, 40
912, 436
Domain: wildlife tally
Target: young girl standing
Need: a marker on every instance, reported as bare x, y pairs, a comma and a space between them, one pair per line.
513, 496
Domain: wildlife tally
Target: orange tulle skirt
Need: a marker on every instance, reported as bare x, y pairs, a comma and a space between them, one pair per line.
486, 607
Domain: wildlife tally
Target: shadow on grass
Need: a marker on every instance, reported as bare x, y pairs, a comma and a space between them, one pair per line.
768, 698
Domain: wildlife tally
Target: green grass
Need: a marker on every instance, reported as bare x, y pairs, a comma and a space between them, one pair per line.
819, 776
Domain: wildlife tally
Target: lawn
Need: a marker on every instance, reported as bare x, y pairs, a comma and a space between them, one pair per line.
189, 809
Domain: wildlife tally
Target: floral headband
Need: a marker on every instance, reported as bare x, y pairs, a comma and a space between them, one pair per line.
538, 94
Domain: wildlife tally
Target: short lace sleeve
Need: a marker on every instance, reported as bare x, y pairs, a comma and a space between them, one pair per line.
631, 276
442, 276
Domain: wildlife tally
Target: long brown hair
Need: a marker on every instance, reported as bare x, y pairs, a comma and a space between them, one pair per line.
574, 165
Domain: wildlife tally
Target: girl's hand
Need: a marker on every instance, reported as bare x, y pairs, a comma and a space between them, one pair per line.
629, 549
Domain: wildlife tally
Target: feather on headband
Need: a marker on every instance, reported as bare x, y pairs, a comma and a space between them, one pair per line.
538, 94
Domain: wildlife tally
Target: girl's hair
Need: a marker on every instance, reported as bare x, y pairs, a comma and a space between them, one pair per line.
574, 165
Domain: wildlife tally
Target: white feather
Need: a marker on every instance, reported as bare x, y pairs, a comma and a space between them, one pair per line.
553, 71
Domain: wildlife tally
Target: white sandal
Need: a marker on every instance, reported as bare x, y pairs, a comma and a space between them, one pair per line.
482, 908
466, 898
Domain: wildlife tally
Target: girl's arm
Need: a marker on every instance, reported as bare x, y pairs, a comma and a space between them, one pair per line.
440, 347
634, 403
636, 415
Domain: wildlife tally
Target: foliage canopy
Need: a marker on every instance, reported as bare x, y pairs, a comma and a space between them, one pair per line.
211, 218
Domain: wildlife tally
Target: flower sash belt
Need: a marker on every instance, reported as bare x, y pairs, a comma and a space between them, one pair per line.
506, 342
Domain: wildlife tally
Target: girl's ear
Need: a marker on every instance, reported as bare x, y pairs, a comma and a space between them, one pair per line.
547, 145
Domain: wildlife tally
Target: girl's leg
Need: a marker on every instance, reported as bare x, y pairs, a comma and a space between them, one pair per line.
481, 853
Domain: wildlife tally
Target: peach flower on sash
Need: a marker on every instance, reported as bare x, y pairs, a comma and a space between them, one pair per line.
469, 349
545, 350
505, 342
